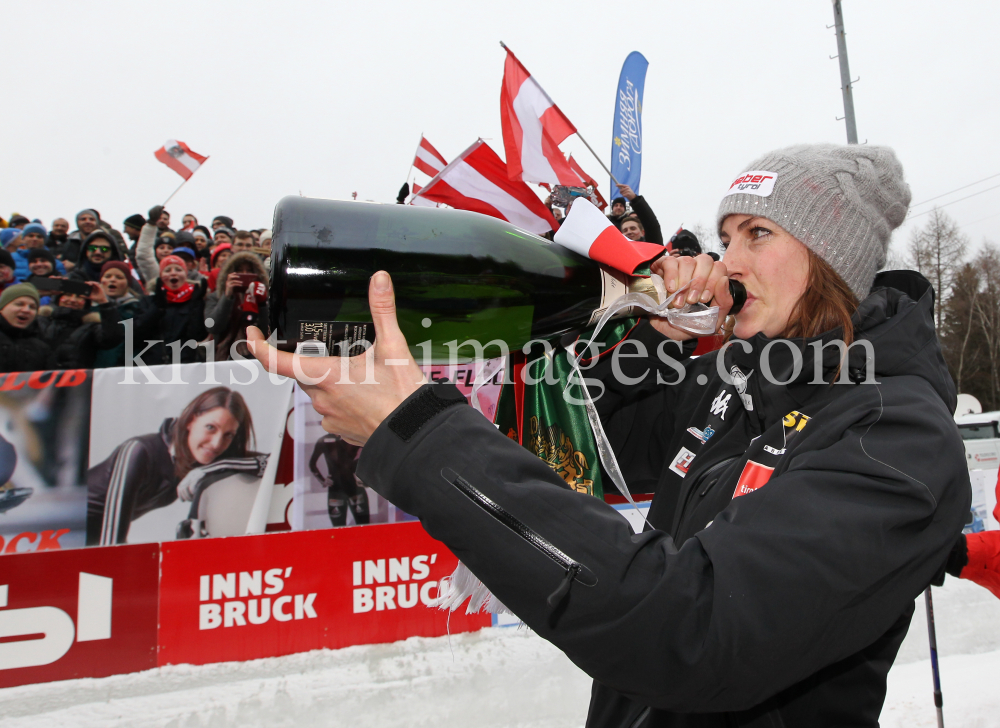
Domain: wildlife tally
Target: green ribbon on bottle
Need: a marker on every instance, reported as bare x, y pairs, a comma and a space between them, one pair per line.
554, 426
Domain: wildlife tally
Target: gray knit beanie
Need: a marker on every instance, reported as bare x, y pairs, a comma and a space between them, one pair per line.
842, 202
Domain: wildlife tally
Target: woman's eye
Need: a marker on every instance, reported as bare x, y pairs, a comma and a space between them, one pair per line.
724, 244
758, 233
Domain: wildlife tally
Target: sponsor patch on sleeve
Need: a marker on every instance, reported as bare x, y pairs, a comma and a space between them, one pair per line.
756, 182
754, 475
682, 461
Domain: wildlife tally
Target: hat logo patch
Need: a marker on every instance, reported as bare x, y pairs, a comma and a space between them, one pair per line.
755, 182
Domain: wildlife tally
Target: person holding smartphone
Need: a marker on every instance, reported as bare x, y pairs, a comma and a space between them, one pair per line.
239, 300
79, 322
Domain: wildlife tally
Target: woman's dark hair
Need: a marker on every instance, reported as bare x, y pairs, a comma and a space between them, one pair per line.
828, 303
216, 397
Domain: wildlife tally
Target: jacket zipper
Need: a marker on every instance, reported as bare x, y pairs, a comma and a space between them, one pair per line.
571, 567
641, 718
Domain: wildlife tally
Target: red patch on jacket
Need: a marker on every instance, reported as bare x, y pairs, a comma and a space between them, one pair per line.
753, 476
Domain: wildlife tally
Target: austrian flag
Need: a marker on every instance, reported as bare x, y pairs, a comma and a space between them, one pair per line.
428, 159
588, 232
179, 157
533, 128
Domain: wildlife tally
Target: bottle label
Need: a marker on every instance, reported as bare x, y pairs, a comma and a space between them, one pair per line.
614, 285
342, 338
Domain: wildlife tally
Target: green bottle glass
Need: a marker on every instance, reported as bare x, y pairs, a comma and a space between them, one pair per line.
458, 276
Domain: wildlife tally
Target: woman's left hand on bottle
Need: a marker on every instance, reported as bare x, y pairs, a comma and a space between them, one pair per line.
355, 394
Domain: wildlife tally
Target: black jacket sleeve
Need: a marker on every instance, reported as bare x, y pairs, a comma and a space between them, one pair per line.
788, 579
650, 224
109, 333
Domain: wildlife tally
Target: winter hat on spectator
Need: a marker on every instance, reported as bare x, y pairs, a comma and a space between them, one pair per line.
182, 251
227, 231
172, 259
841, 202
685, 240
218, 249
9, 235
184, 239
102, 234
202, 231
18, 219
135, 221
90, 210
16, 291
227, 221
35, 227
6, 258
619, 201
36, 253
265, 234
118, 265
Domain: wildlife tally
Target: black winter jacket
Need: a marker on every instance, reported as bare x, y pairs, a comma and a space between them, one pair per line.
75, 336
23, 350
792, 527
136, 478
650, 225
164, 321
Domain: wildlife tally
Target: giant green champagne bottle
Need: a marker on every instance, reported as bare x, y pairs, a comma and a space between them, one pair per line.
458, 277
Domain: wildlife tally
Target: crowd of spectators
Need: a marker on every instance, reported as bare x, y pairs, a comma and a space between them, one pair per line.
98, 297
632, 214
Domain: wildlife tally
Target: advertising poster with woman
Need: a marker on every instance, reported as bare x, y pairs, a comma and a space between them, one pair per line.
182, 460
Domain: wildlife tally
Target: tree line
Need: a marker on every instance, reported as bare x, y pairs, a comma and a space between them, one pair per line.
967, 306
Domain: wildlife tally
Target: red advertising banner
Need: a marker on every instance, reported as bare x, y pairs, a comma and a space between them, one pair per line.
261, 596
77, 613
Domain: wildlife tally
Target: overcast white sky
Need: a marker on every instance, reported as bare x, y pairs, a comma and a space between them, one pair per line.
327, 98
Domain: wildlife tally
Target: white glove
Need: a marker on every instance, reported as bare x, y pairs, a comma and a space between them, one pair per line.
189, 484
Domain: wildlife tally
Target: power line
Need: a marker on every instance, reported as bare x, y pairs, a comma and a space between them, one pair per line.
927, 212
958, 189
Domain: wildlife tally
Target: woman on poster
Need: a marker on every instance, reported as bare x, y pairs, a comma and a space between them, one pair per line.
211, 439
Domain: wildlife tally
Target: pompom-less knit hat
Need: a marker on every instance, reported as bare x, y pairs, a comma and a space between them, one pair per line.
841, 202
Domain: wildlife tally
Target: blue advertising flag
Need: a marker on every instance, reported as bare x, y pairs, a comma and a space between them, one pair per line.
626, 145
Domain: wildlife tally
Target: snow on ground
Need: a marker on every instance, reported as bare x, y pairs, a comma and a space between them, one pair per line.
497, 677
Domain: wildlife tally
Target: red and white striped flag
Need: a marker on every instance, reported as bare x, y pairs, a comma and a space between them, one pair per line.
179, 157
587, 231
533, 129
428, 159
477, 180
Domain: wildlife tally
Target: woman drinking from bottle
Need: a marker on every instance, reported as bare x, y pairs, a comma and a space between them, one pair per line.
809, 479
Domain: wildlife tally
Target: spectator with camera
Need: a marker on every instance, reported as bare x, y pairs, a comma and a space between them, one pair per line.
73, 329
22, 348
239, 300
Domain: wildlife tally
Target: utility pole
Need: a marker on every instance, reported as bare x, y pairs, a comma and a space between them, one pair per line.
845, 74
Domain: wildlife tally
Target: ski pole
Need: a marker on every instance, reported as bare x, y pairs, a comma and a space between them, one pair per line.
932, 636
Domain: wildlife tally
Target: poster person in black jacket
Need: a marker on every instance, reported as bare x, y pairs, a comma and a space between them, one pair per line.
805, 494
211, 439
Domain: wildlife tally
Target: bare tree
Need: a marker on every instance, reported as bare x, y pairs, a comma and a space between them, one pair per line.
938, 250
987, 308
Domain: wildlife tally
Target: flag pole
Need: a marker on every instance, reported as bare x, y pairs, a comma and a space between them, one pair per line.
176, 191
589, 148
182, 184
